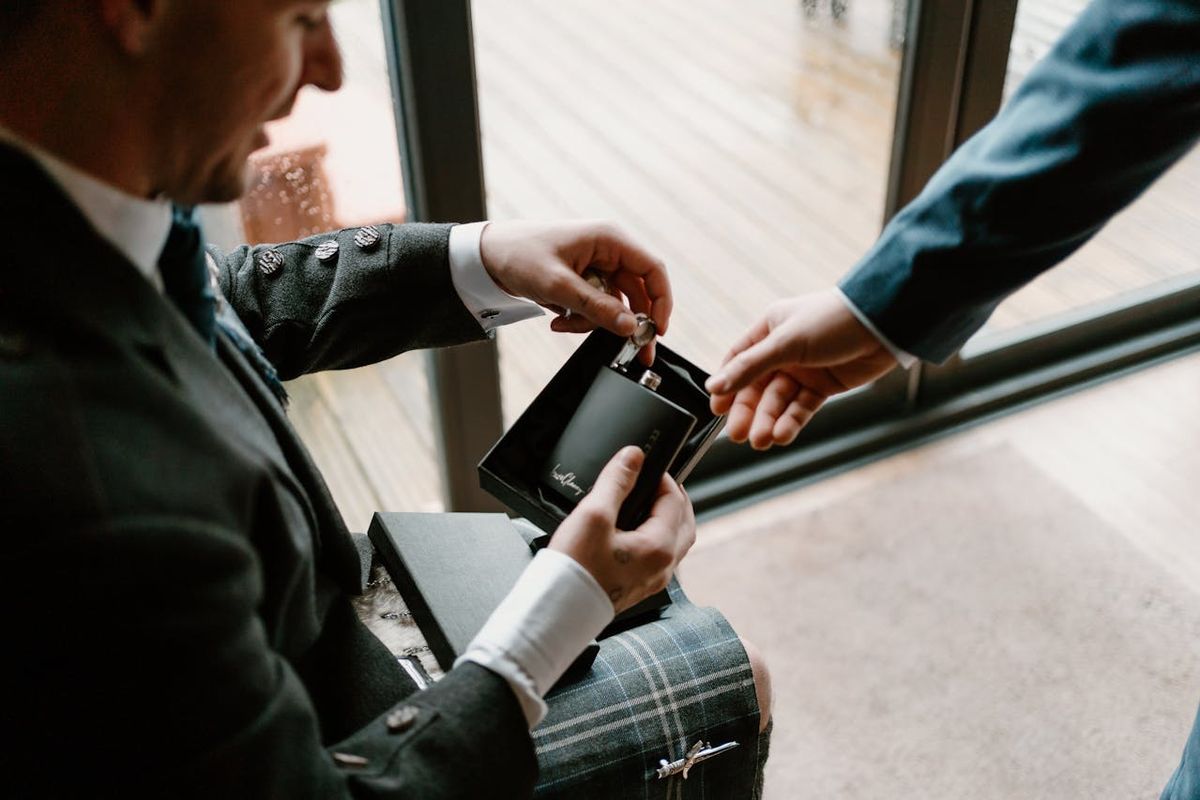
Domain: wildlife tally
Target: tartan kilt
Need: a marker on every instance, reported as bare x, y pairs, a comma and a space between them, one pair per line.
653, 691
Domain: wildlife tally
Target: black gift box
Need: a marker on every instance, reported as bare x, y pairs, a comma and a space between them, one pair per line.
453, 570
512, 468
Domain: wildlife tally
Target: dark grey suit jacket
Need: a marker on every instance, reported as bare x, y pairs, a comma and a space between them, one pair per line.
173, 573
1113, 105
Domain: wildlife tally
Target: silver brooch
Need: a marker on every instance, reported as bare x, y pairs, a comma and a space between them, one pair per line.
700, 751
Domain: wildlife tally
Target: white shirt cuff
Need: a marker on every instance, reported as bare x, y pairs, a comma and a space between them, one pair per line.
488, 303
905, 358
543, 624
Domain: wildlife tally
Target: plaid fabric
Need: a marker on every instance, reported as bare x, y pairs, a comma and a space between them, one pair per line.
653, 691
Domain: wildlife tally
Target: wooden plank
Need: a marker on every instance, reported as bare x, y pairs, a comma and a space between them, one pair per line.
609, 185
386, 437
736, 133
604, 181
333, 454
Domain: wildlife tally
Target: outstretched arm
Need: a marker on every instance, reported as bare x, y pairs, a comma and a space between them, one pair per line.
1111, 107
333, 302
1114, 104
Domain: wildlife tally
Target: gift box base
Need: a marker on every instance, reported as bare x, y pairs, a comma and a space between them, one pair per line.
512, 469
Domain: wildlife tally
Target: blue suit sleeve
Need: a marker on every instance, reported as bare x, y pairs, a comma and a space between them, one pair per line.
1112, 106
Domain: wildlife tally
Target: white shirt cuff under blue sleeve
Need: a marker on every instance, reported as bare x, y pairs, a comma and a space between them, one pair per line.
905, 358
543, 624
488, 303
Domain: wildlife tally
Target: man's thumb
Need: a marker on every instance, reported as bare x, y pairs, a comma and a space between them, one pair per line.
615, 481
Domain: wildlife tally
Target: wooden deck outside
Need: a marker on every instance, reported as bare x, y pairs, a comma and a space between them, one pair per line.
745, 143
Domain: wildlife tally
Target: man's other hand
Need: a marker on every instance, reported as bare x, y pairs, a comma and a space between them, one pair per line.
544, 262
801, 352
629, 565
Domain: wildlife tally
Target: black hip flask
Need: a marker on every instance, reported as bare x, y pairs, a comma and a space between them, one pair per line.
618, 411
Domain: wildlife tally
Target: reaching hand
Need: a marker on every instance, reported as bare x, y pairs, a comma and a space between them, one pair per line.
803, 350
544, 262
629, 565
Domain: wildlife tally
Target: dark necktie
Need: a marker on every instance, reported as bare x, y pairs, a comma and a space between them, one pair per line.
185, 274
187, 283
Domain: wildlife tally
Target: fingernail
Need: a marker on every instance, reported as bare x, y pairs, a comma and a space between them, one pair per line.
715, 384
630, 455
627, 321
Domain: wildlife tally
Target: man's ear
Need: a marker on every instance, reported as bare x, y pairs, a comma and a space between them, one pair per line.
132, 23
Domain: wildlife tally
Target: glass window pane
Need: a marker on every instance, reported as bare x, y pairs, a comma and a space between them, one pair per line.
745, 143
334, 163
1152, 241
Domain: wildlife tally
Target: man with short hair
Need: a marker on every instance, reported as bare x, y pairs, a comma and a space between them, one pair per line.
181, 572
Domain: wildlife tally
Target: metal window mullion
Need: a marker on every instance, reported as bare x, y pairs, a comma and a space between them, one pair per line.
951, 83
432, 66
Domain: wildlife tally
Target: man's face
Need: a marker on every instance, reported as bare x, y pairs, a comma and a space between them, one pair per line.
224, 69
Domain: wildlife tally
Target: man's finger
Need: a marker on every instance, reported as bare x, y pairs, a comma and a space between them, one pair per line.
687, 526
748, 365
572, 324
775, 399
670, 509
756, 333
795, 417
624, 255
600, 307
741, 414
648, 353
634, 290
615, 481
720, 404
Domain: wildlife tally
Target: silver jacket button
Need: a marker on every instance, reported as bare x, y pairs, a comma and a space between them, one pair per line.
269, 262
350, 760
367, 238
327, 250
402, 719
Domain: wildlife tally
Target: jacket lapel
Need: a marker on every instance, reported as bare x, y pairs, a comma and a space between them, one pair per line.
337, 548
89, 292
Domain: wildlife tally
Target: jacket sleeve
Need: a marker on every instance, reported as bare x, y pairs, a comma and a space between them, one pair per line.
1114, 104
354, 307
167, 686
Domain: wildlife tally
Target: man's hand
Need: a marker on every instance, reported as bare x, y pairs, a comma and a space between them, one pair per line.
800, 353
544, 262
629, 565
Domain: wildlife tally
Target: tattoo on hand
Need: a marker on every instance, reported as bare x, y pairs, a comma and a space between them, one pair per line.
622, 555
